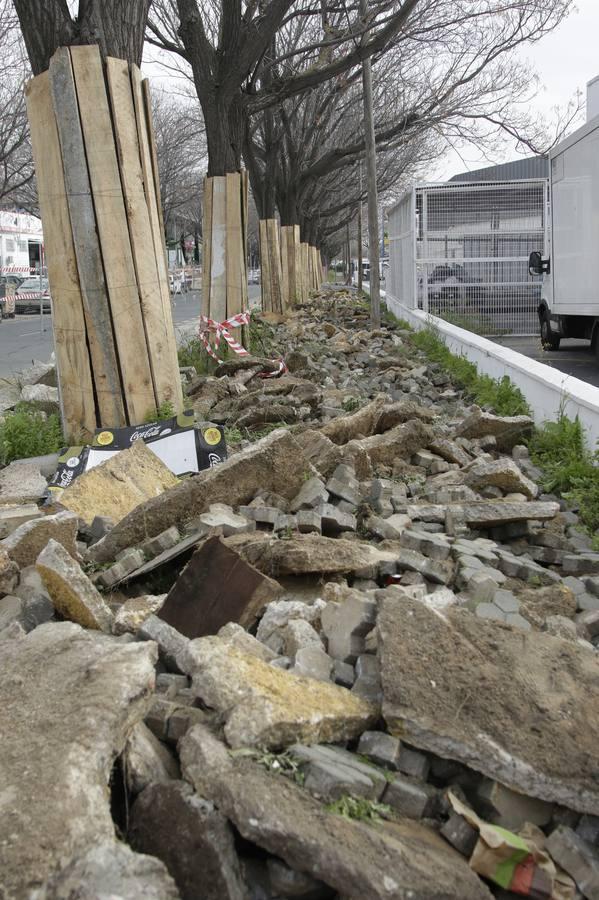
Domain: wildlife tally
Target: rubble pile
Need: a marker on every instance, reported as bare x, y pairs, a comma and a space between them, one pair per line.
356, 660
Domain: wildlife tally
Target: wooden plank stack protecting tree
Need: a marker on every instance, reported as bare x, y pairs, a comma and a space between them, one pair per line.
99, 198
305, 271
290, 263
271, 274
224, 275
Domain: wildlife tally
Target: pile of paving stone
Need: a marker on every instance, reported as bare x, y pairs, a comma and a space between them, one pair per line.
357, 659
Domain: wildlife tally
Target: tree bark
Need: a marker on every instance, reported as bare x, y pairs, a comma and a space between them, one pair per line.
117, 27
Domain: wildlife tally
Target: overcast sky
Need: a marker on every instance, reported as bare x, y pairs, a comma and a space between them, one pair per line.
565, 60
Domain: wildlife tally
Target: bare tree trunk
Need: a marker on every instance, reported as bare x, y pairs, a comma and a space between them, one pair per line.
360, 236
117, 27
373, 216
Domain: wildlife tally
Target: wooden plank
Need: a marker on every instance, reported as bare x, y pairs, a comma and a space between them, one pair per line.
244, 237
164, 378
234, 244
274, 249
113, 230
285, 298
94, 294
218, 250
149, 165
265, 280
68, 319
142, 102
206, 245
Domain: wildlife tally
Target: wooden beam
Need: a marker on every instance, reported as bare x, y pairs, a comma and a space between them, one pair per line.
86, 243
113, 230
68, 318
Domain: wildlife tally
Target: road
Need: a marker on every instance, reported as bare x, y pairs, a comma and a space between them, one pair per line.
573, 358
22, 339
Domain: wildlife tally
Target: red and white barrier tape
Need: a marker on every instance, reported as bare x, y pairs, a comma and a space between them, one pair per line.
221, 329
31, 295
18, 270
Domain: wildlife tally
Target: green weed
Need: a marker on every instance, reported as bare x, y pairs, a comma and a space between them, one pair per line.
360, 809
193, 353
498, 393
28, 432
166, 410
350, 404
569, 467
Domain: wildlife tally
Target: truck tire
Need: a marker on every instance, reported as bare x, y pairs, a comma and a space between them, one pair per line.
549, 339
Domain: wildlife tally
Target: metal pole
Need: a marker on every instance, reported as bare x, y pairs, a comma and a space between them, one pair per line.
41, 294
373, 223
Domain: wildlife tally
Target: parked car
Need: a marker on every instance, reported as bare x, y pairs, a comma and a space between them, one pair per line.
28, 298
12, 279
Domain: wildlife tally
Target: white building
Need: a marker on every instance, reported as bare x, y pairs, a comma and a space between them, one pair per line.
21, 243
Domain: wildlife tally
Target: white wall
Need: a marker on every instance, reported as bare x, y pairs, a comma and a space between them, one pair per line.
547, 391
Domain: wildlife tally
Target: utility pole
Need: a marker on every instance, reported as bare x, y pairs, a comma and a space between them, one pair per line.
360, 234
373, 225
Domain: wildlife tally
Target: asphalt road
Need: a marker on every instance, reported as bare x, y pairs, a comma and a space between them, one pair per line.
573, 358
22, 339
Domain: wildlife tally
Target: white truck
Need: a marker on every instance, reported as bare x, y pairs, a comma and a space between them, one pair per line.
569, 306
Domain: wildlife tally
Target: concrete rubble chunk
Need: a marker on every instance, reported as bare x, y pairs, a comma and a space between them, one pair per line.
346, 620
310, 553
312, 493
134, 612
13, 516
297, 634
268, 707
280, 613
577, 858
222, 516
361, 423
275, 462
146, 760
239, 637
21, 483
402, 861
70, 590
381, 747
501, 473
311, 661
344, 484
507, 430
434, 699
509, 809
9, 573
382, 449
111, 869
170, 642
287, 882
485, 513
331, 772
28, 540
65, 734
191, 837
409, 798
319, 450
118, 486
216, 587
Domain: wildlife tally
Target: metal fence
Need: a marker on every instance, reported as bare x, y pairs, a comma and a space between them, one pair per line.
460, 251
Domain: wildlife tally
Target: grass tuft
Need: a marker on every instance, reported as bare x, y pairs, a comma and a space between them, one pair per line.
360, 809
28, 432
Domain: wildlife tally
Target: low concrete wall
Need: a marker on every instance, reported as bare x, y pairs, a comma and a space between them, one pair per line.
547, 390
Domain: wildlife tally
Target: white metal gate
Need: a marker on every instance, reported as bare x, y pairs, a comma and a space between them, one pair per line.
460, 251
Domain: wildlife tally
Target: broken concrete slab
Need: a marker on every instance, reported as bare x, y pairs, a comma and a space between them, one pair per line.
64, 734
21, 482
382, 449
70, 590
192, 838
27, 541
116, 487
9, 573
271, 629
396, 862
134, 612
319, 450
266, 706
216, 587
111, 869
311, 553
484, 513
13, 516
275, 463
502, 473
577, 858
359, 425
492, 697
146, 760
507, 430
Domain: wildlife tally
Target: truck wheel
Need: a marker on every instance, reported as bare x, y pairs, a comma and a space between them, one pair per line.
549, 339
